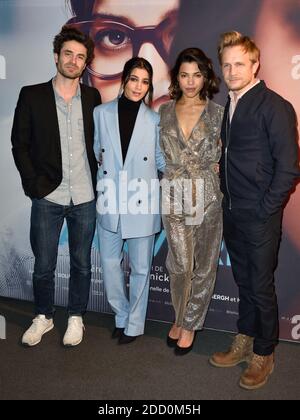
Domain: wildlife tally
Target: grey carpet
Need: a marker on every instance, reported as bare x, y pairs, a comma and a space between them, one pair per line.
100, 369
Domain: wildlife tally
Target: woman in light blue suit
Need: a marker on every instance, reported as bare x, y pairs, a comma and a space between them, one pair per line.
127, 149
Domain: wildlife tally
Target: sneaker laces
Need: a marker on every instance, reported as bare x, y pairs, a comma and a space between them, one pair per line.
36, 322
74, 324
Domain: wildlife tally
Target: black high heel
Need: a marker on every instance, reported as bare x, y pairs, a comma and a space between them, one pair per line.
172, 342
126, 339
117, 332
181, 351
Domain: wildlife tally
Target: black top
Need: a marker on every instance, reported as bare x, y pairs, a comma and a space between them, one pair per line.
127, 111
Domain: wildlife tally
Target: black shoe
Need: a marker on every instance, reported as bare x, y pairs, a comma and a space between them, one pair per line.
126, 339
171, 342
117, 332
181, 351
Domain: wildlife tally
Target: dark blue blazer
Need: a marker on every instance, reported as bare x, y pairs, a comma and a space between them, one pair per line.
259, 163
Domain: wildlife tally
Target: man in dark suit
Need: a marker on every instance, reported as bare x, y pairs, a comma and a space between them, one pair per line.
52, 145
258, 169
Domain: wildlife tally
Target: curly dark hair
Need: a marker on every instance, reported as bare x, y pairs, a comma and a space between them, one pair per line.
69, 33
211, 81
138, 63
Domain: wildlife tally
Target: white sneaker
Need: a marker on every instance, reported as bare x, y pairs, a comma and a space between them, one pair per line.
40, 325
74, 333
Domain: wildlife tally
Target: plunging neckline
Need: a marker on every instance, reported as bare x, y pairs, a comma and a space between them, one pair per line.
187, 139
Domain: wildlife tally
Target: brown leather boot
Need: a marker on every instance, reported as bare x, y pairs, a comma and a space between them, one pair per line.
258, 371
240, 351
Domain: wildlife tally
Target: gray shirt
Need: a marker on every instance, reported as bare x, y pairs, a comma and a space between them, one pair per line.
76, 184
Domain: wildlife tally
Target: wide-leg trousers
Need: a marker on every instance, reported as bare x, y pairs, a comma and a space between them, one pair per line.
129, 308
192, 261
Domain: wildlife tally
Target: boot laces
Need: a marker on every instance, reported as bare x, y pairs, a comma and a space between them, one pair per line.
239, 343
258, 360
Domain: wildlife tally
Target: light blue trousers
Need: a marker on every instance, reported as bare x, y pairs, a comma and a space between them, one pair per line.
130, 312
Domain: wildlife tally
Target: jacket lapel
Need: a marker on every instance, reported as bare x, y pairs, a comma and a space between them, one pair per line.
137, 134
52, 118
112, 120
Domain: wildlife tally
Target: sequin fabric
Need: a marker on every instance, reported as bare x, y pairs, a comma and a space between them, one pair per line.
193, 248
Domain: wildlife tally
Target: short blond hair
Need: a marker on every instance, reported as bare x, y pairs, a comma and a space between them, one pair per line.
233, 39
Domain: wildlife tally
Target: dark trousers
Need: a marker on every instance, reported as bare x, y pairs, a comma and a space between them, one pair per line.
46, 223
252, 245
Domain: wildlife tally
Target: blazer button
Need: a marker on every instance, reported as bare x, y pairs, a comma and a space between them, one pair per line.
145, 158
103, 150
105, 172
139, 201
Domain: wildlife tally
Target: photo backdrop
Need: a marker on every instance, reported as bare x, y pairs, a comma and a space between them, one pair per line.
27, 28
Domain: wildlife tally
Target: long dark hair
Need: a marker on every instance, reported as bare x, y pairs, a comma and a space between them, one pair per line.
211, 81
138, 63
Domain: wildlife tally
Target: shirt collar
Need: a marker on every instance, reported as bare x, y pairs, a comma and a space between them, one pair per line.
235, 98
57, 95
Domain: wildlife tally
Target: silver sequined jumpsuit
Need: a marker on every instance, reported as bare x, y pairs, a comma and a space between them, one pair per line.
193, 249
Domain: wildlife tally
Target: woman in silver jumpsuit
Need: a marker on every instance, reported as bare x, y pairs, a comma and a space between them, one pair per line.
191, 199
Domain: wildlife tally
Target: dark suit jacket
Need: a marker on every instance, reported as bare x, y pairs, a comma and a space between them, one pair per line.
36, 139
259, 163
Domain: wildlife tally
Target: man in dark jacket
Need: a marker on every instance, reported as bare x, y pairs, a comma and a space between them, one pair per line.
258, 169
52, 139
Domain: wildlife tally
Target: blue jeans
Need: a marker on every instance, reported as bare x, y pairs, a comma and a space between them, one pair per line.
46, 223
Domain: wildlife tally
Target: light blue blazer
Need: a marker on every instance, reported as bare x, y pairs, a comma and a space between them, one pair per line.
128, 193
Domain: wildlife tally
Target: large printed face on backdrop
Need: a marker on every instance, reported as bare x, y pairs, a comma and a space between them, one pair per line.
123, 29
280, 67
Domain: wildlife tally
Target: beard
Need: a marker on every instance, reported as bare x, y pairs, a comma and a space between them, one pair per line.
73, 72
